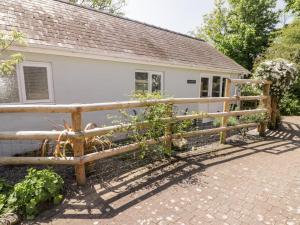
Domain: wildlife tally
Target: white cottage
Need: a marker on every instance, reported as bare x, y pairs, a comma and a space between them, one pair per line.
80, 55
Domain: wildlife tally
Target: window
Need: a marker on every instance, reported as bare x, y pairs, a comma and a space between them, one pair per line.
212, 86
156, 83
141, 82
36, 84
223, 86
148, 82
204, 88
31, 83
216, 86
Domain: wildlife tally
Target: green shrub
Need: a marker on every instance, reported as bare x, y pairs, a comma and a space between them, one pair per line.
232, 121
5, 190
39, 186
250, 90
254, 118
290, 105
155, 115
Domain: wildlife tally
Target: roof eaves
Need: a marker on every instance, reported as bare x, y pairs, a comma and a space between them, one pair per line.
43, 49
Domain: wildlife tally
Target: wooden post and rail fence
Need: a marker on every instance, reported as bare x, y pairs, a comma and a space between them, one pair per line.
77, 134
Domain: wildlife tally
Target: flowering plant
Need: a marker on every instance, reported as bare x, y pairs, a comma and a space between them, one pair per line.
281, 72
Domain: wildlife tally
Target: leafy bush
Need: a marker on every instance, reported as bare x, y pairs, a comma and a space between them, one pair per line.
254, 118
283, 75
155, 115
5, 190
232, 121
249, 90
281, 72
289, 105
38, 187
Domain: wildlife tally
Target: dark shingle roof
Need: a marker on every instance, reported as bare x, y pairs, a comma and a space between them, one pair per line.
53, 23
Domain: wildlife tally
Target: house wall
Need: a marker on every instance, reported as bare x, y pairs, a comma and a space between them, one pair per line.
78, 80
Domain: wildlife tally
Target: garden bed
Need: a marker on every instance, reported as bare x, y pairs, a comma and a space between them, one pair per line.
106, 169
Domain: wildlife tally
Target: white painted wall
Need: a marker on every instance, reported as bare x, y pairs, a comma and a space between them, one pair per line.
78, 80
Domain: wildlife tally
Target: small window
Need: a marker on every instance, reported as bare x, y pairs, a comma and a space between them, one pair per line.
148, 82
156, 83
9, 90
36, 82
204, 87
216, 86
141, 82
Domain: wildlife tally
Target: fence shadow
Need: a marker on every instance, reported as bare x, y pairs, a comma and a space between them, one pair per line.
103, 199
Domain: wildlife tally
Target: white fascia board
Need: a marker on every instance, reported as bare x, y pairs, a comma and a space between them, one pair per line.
42, 49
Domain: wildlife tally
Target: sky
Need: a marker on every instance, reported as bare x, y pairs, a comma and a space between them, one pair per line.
178, 15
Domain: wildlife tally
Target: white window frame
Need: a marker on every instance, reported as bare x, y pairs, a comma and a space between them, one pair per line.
150, 73
21, 79
210, 78
221, 82
209, 85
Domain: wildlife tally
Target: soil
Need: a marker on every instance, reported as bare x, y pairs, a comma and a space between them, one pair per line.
105, 170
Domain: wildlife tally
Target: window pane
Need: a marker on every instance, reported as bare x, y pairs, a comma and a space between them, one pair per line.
9, 92
141, 82
216, 85
36, 83
156, 83
223, 86
204, 87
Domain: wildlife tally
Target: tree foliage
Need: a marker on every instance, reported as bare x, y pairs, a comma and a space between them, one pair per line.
240, 30
110, 6
287, 45
8, 62
293, 6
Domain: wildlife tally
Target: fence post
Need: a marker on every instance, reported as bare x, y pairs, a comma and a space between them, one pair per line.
225, 109
78, 148
168, 131
266, 104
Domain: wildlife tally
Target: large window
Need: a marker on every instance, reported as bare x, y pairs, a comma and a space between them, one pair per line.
31, 83
204, 88
212, 86
148, 82
216, 86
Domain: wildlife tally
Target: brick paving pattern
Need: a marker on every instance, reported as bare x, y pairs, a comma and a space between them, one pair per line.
254, 183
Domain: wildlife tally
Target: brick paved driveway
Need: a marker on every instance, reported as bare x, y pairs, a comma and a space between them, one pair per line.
258, 183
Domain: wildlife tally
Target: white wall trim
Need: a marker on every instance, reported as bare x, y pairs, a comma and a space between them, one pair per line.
126, 58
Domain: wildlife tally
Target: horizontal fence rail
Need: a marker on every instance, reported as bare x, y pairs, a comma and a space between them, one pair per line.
111, 152
53, 135
117, 105
250, 81
77, 135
